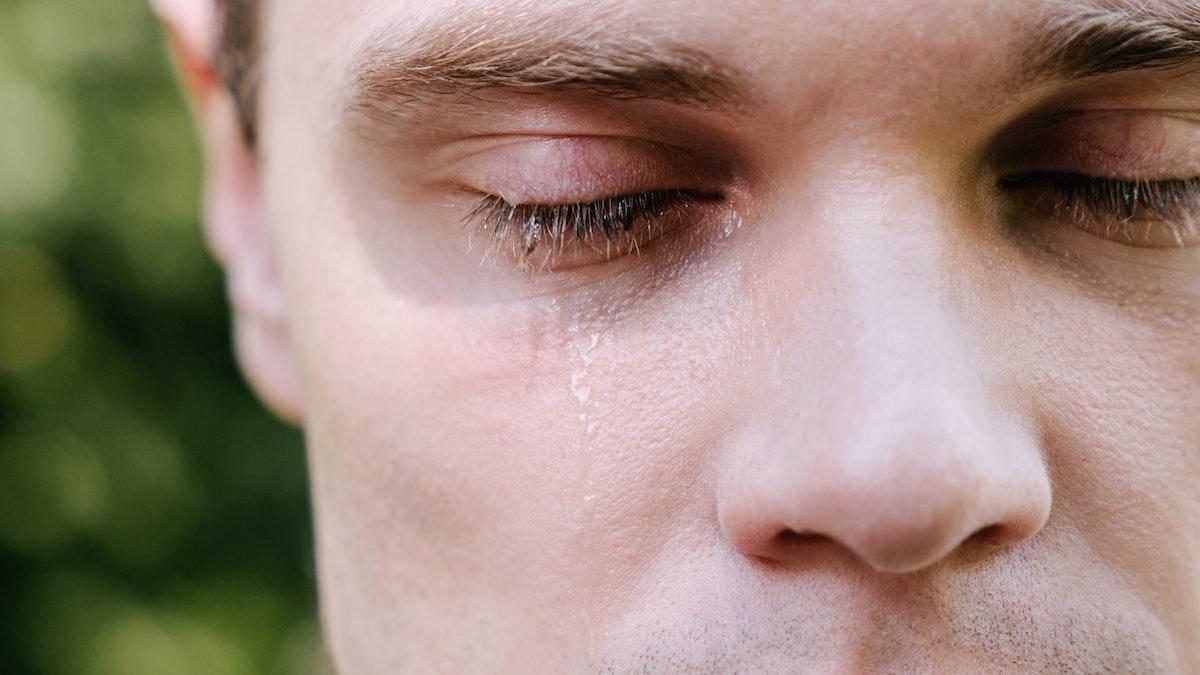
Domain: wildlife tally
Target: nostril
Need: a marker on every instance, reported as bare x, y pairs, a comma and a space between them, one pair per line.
788, 545
992, 534
984, 543
793, 539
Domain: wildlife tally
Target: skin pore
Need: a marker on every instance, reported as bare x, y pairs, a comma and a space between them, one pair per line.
653, 335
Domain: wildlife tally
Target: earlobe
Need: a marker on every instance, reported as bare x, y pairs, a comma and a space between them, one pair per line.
265, 354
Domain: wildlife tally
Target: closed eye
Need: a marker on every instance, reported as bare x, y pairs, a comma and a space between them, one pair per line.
1147, 213
541, 236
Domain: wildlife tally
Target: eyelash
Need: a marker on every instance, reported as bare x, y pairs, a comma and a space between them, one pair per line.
620, 225
1113, 203
610, 227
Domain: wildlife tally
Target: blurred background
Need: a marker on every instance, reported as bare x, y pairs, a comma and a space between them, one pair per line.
153, 518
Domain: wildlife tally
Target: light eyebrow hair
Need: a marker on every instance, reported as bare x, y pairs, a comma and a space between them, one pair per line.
1111, 36
538, 52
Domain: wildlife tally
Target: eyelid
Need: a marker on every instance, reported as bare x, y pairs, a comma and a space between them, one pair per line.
577, 169
1117, 144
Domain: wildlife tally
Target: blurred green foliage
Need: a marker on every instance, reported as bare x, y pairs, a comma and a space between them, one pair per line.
153, 518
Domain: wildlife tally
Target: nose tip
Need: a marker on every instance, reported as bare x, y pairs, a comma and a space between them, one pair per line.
898, 506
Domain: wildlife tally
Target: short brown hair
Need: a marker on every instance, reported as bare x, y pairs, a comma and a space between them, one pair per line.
237, 59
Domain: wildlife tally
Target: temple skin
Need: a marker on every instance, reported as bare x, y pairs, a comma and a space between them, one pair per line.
856, 407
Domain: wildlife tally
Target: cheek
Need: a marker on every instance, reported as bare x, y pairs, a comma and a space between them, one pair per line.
527, 448
1121, 408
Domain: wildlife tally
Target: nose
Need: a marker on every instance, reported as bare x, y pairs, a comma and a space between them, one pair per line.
920, 479
887, 428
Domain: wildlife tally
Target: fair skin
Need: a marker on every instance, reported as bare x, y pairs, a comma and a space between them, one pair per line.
881, 389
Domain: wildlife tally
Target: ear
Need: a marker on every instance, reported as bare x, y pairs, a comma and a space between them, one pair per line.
235, 223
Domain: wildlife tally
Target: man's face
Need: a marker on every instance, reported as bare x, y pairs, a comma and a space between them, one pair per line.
652, 335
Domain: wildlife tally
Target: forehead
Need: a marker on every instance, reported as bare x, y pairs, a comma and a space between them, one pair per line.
847, 21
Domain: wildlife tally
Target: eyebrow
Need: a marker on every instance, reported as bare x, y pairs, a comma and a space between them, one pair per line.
1078, 40
469, 51
525, 52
